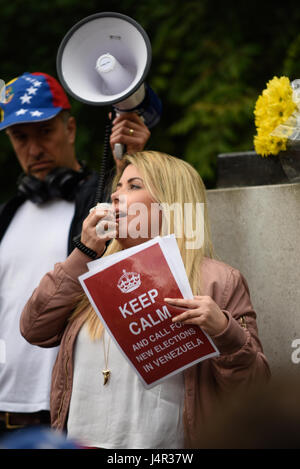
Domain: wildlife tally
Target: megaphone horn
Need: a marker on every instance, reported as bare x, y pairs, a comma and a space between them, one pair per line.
104, 59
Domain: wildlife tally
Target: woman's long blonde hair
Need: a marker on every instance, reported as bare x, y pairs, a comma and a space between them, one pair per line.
169, 180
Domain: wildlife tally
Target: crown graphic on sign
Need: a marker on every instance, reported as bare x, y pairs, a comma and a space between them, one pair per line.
129, 281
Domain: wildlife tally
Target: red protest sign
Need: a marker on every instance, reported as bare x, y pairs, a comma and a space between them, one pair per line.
129, 297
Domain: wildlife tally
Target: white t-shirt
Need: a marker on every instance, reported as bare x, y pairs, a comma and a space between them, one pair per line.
35, 240
123, 413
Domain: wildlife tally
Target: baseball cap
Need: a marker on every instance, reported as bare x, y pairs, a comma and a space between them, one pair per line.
32, 97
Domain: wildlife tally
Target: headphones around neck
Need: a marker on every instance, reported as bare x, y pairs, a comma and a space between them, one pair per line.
59, 183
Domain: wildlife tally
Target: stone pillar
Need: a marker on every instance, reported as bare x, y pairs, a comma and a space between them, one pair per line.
257, 230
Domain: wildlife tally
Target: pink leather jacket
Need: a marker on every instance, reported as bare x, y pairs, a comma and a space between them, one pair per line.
44, 322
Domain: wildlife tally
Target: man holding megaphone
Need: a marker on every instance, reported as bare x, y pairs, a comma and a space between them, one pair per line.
37, 227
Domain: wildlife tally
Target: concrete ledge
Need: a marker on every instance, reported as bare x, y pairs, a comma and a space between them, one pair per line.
247, 168
257, 230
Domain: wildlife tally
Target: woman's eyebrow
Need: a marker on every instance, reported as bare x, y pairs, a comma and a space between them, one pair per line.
129, 181
132, 179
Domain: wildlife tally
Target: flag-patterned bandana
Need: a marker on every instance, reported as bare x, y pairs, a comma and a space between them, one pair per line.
32, 97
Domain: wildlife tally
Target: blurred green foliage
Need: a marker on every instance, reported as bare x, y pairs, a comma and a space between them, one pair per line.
210, 61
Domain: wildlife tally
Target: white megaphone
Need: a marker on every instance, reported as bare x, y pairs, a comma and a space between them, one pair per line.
104, 60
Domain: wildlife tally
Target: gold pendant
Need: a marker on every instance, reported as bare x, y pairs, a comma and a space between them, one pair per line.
106, 375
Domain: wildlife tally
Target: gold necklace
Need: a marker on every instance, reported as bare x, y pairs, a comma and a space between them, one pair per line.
106, 371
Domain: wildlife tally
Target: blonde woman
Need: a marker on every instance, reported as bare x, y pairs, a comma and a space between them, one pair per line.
123, 414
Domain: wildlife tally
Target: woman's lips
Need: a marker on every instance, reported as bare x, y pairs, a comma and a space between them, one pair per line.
119, 215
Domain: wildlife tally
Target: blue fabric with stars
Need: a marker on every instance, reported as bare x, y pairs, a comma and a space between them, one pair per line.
29, 98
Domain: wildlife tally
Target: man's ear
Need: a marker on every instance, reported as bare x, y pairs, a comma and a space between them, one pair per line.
71, 128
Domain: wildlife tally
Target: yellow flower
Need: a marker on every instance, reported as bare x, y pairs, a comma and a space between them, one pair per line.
273, 107
267, 145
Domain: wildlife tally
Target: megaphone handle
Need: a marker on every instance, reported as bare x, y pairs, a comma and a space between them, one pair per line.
119, 150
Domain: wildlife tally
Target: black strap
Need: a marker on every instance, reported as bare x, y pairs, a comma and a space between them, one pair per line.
106, 163
83, 248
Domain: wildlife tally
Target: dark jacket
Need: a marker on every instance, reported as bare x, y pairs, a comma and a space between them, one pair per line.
84, 200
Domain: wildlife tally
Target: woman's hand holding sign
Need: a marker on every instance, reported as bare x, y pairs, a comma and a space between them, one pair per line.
201, 311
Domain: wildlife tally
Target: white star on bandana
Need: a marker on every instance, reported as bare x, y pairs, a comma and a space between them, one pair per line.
36, 113
21, 111
31, 90
25, 99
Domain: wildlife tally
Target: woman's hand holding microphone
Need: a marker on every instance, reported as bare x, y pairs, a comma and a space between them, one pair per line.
99, 227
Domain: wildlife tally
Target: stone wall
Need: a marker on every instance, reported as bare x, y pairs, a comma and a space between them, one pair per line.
257, 230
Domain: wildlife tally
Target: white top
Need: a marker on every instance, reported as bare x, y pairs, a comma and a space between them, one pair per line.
123, 413
35, 240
